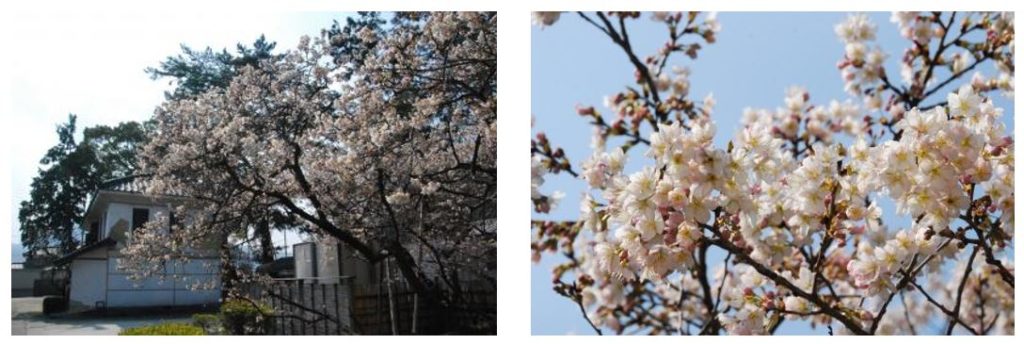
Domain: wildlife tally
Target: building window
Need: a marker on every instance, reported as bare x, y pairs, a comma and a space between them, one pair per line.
94, 233
139, 217
173, 221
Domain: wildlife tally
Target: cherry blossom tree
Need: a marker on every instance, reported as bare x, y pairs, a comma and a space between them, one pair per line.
392, 155
792, 202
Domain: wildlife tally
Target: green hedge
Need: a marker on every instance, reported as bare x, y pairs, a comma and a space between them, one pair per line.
210, 323
244, 317
165, 329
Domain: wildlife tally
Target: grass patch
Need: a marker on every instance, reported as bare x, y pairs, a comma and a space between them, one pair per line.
164, 329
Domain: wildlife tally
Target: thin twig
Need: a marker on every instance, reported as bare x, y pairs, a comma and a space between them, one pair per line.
960, 291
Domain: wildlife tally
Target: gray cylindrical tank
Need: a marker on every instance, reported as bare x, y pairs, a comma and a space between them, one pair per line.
305, 260
328, 267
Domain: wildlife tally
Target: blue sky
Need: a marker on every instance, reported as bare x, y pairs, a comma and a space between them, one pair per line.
757, 56
91, 63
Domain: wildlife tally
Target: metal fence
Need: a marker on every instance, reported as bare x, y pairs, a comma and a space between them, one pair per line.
312, 307
379, 311
309, 306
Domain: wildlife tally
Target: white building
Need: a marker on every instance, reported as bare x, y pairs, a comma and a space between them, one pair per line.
97, 282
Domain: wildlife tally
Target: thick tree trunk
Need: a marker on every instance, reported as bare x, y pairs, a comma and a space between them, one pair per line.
266, 242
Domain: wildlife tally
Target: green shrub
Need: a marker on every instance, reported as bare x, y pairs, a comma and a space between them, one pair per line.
241, 317
210, 323
164, 329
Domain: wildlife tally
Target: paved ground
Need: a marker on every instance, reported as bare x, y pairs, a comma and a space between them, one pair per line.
28, 319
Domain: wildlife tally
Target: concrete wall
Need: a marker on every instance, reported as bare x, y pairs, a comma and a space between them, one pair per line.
22, 281
353, 264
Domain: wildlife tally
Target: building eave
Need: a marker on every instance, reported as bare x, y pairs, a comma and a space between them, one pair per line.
106, 242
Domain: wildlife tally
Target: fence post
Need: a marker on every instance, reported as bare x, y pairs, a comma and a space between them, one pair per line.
352, 306
273, 305
302, 301
337, 309
314, 305
391, 297
291, 320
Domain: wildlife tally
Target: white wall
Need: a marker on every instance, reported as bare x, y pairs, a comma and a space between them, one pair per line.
102, 280
88, 283
123, 211
175, 289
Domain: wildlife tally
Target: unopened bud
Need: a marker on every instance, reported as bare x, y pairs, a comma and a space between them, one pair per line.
585, 111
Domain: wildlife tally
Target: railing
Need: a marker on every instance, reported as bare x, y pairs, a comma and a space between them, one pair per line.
335, 306
302, 307
376, 312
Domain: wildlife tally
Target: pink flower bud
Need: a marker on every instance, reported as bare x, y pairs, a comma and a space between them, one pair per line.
848, 75
584, 110
857, 230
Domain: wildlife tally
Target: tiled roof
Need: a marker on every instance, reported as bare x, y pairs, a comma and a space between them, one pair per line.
132, 184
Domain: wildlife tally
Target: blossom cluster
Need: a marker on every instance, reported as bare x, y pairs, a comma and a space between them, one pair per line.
862, 64
383, 138
773, 206
795, 204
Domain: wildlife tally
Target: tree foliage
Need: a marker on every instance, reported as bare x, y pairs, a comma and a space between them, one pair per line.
194, 72
390, 151
71, 171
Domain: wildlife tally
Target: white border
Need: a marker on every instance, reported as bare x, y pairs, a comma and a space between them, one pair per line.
514, 127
